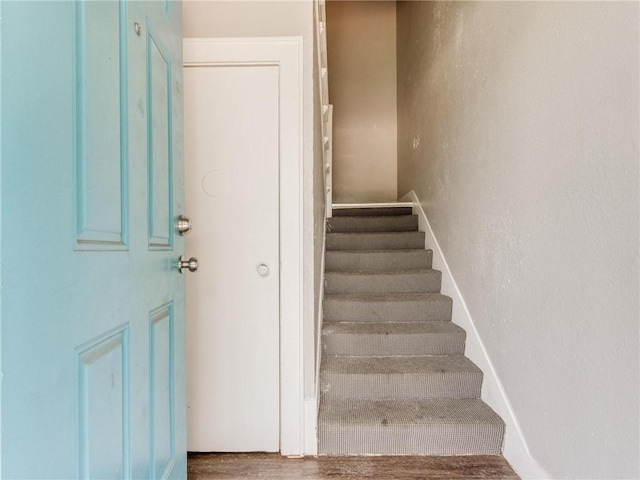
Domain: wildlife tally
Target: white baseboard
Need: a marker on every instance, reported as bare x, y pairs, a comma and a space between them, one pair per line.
515, 451
310, 426
311, 405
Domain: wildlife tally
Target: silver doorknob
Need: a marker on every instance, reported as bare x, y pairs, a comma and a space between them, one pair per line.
263, 269
191, 264
183, 225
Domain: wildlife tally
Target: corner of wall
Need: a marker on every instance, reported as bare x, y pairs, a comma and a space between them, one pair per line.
515, 449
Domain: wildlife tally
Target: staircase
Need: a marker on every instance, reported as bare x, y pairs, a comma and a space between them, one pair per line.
394, 378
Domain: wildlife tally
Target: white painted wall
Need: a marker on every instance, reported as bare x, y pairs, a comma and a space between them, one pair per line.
519, 129
361, 38
239, 18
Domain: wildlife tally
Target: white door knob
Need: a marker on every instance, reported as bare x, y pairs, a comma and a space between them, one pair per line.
263, 269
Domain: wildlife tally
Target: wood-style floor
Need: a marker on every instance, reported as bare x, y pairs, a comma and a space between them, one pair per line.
248, 466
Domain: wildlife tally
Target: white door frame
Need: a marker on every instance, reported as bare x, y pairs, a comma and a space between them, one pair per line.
285, 53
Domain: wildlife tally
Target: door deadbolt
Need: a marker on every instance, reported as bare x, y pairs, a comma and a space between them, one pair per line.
183, 225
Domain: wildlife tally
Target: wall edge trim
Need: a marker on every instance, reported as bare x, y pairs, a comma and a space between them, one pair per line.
312, 406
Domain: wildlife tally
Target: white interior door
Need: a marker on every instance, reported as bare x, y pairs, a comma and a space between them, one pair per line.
232, 194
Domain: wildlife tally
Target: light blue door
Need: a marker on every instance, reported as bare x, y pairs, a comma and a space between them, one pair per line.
92, 181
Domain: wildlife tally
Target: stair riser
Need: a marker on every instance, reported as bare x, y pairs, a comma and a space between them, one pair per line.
405, 223
376, 212
378, 439
375, 241
378, 261
393, 345
404, 386
438, 310
389, 283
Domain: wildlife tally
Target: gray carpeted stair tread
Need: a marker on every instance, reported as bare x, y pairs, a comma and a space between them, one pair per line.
375, 241
385, 273
405, 307
395, 223
385, 339
377, 260
409, 427
409, 412
400, 377
407, 281
390, 297
399, 365
391, 328
360, 212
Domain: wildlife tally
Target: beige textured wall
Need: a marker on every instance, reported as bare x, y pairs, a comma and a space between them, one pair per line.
361, 41
518, 129
239, 18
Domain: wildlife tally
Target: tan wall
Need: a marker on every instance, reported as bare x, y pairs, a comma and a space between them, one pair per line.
361, 42
239, 18
519, 130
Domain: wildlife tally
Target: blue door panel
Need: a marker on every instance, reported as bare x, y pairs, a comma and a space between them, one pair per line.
92, 182
103, 405
162, 381
159, 141
101, 124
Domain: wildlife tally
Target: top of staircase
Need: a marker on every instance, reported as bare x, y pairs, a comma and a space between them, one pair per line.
339, 206
371, 209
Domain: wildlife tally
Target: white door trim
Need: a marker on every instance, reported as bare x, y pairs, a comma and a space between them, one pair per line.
285, 52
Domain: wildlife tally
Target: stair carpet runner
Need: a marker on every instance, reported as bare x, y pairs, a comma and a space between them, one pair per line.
394, 378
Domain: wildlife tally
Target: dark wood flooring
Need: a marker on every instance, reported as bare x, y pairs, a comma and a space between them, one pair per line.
248, 466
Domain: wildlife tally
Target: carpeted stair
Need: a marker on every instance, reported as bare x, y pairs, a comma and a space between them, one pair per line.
394, 378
